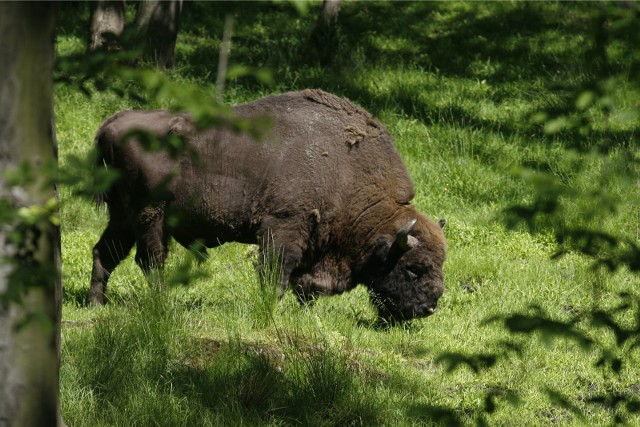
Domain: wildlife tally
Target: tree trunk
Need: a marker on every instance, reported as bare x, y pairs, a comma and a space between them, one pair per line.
28, 353
328, 14
325, 36
57, 264
107, 24
158, 23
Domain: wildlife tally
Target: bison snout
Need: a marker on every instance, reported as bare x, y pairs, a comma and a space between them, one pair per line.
426, 309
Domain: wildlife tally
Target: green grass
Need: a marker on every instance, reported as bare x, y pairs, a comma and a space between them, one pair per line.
459, 86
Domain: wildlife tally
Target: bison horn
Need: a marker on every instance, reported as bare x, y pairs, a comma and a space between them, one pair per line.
403, 239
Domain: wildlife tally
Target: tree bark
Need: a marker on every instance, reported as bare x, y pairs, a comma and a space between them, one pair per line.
158, 23
325, 36
57, 264
28, 353
107, 24
328, 14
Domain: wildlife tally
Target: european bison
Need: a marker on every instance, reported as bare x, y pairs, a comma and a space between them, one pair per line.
324, 189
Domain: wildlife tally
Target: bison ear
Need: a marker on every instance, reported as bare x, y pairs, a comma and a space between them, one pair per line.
404, 241
442, 222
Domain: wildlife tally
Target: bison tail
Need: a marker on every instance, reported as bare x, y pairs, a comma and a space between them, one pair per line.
104, 155
100, 198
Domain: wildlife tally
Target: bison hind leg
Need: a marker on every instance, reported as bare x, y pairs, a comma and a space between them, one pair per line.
114, 246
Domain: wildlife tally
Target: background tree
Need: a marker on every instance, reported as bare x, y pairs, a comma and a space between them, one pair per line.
156, 28
325, 34
28, 270
157, 23
328, 14
107, 24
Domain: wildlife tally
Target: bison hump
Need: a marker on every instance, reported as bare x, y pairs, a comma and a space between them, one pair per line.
365, 126
332, 101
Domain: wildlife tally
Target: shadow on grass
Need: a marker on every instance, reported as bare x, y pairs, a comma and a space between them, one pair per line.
294, 385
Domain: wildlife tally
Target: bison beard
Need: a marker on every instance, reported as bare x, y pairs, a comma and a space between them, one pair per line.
324, 189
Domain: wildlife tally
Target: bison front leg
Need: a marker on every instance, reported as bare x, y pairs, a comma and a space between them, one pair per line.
280, 254
114, 246
328, 276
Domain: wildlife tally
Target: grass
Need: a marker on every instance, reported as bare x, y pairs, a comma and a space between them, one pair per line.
459, 86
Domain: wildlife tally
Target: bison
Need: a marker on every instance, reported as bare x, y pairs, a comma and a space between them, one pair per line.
323, 191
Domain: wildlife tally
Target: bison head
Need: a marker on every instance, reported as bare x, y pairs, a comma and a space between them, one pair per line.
407, 278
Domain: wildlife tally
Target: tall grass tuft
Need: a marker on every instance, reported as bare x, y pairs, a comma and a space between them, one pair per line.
231, 377
125, 363
325, 386
270, 287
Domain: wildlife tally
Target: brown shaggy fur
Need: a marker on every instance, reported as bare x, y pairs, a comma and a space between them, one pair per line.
325, 188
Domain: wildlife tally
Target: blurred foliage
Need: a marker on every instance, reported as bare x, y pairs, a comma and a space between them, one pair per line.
25, 231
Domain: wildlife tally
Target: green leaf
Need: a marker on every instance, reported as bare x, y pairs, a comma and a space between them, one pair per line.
585, 100
556, 125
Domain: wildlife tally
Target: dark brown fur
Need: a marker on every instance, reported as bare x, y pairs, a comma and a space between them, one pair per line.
325, 188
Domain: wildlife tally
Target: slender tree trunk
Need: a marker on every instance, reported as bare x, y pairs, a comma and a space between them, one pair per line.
325, 36
57, 263
107, 24
328, 14
28, 353
158, 23
223, 58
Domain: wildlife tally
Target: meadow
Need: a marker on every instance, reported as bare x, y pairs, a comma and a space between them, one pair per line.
518, 124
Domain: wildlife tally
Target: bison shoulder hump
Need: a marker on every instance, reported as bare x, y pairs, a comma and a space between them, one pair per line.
335, 102
365, 125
